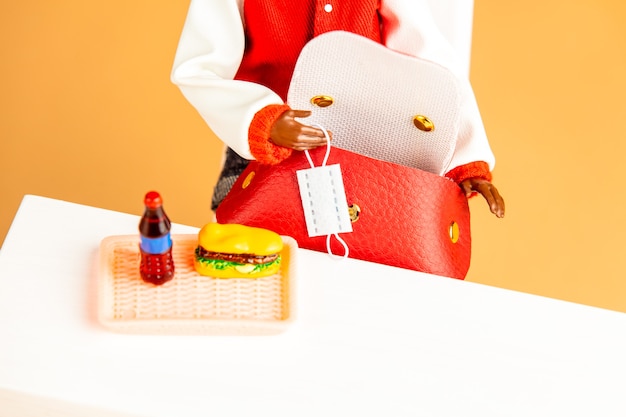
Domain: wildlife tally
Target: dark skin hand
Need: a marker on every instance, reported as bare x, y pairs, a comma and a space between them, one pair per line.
488, 191
290, 133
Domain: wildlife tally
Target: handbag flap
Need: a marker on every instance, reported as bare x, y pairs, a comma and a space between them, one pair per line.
368, 96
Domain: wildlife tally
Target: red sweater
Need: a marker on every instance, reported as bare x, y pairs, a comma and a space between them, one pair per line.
276, 32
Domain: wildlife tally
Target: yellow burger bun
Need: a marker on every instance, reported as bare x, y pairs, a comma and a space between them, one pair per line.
238, 238
237, 251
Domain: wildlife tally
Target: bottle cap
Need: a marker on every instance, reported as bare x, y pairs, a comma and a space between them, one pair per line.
152, 200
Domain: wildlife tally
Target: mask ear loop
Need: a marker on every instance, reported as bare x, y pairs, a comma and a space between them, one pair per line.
327, 136
308, 157
343, 243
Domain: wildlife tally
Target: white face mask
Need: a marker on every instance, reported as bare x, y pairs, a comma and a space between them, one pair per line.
324, 199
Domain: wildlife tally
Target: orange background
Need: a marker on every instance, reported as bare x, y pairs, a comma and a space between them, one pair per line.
87, 114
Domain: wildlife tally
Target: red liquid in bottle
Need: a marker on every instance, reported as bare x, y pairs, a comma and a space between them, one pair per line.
157, 263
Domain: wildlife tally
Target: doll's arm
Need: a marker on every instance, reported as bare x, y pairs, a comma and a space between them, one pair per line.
408, 27
209, 52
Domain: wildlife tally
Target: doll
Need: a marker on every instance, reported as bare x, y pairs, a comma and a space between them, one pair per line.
235, 60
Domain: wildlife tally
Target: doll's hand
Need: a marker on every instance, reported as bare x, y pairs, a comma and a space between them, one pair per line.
488, 191
288, 132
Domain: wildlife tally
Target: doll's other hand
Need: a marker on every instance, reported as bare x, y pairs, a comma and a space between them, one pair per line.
288, 132
488, 191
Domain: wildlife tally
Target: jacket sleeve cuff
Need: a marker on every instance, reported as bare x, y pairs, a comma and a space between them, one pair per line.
263, 150
477, 169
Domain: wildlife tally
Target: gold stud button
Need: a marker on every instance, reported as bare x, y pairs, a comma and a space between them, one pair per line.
354, 211
454, 232
247, 180
423, 123
322, 101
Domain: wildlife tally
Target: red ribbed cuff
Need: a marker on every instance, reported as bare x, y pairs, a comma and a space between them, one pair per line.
478, 169
261, 147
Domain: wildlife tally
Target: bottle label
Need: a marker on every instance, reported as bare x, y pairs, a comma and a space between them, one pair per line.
156, 246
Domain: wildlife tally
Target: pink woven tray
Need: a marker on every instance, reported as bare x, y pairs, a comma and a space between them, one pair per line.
191, 303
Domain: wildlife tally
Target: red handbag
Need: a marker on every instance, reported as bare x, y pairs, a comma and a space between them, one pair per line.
401, 216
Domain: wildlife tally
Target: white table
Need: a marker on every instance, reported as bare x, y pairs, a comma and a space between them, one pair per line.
368, 340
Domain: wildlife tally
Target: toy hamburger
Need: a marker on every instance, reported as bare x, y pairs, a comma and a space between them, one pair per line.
237, 251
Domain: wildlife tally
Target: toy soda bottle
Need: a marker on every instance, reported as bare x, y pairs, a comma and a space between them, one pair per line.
157, 264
